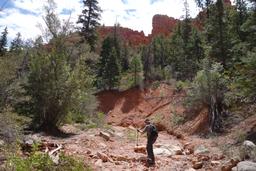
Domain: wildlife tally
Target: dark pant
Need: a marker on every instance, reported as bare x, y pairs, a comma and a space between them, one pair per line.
151, 157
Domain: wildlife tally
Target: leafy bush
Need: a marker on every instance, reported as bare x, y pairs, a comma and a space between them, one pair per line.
209, 83
181, 85
11, 125
56, 87
42, 161
177, 119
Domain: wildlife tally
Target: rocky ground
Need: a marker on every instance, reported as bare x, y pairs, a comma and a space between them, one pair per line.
115, 148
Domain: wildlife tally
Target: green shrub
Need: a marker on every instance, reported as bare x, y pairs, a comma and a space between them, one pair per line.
11, 125
208, 84
181, 85
156, 84
177, 119
39, 161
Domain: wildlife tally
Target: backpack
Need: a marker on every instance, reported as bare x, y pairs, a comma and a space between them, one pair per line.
153, 131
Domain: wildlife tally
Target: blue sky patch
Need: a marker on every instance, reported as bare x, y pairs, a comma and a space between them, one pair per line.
124, 1
4, 4
66, 11
153, 1
130, 11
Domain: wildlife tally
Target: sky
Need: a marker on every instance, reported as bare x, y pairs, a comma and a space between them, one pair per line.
24, 16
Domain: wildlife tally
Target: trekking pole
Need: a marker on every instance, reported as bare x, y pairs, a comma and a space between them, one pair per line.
137, 138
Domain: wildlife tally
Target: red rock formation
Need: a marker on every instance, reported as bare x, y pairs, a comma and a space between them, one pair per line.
163, 25
130, 36
227, 2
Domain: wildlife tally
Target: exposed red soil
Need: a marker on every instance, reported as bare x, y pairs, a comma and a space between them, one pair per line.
132, 106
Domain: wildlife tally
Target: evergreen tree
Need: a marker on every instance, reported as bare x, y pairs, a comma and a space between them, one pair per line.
90, 20
125, 58
109, 67
3, 42
204, 4
186, 48
136, 68
16, 44
161, 55
240, 18
148, 59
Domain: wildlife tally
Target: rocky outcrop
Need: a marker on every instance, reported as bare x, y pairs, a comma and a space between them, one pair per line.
163, 25
132, 37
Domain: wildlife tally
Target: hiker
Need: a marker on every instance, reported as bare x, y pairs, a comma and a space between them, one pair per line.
152, 135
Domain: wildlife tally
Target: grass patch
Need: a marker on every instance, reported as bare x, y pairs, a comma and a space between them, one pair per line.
39, 161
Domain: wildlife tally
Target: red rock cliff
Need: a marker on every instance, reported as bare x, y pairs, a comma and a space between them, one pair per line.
163, 25
130, 36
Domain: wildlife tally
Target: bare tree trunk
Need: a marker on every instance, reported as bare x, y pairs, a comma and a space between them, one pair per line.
215, 115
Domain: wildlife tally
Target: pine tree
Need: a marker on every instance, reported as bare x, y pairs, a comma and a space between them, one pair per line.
161, 54
186, 48
136, 68
125, 58
242, 15
109, 66
204, 4
3, 42
90, 21
16, 44
148, 59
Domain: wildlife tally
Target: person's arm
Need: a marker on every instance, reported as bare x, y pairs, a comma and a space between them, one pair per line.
143, 130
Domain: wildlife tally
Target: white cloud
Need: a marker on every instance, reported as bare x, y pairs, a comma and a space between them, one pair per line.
145, 10
26, 14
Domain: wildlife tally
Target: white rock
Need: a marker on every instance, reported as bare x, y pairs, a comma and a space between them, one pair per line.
248, 149
98, 163
190, 169
201, 150
1, 142
245, 166
176, 150
163, 152
249, 144
105, 135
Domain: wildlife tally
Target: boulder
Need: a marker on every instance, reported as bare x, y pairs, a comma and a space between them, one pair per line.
98, 163
105, 135
201, 150
163, 152
245, 166
189, 147
103, 157
198, 165
229, 165
140, 149
248, 150
176, 150
168, 150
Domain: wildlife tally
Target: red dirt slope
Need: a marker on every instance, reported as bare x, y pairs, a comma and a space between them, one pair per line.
132, 106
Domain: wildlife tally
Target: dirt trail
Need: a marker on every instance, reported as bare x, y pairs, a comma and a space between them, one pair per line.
118, 154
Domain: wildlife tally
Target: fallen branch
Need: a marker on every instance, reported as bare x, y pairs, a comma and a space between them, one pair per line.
55, 150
